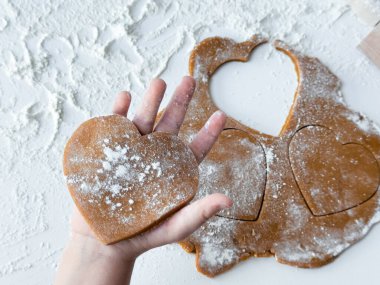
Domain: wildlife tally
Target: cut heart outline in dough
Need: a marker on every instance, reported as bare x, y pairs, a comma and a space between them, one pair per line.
244, 176
124, 183
285, 227
240, 52
349, 170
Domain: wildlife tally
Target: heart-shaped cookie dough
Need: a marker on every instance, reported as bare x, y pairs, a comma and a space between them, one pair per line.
318, 160
124, 183
242, 179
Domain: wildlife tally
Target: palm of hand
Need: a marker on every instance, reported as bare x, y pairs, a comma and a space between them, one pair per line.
189, 218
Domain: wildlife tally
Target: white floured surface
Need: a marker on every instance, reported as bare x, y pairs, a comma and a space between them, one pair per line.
63, 61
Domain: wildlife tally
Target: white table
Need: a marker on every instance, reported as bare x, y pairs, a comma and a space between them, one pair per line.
60, 64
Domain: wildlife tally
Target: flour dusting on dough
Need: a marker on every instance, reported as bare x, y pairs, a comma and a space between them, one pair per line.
238, 173
124, 183
290, 225
218, 247
363, 122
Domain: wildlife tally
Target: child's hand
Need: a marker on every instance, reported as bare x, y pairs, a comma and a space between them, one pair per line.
176, 227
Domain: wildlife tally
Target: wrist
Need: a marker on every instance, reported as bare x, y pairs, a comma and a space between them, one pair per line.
89, 247
86, 261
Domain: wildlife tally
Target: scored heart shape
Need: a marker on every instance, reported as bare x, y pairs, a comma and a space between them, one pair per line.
293, 189
242, 179
332, 177
124, 183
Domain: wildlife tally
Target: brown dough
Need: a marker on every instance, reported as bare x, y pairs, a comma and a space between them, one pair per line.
124, 183
303, 196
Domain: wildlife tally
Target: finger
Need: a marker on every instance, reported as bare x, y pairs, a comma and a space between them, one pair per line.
147, 111
206, 137
174, 114
122, 103
185, 221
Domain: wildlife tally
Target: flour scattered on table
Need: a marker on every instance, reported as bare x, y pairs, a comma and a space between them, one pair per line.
62, 61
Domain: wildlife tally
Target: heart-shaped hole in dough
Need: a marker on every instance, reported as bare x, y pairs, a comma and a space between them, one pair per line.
259, 93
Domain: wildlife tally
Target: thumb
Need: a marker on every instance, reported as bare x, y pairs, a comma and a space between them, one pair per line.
184, 222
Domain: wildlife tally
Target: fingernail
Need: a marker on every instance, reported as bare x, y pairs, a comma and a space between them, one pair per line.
219, 114
187, 76
227, 205
207, 125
